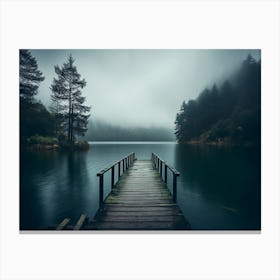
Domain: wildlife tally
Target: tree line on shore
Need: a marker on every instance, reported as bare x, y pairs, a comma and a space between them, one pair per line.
67, 117
229, 113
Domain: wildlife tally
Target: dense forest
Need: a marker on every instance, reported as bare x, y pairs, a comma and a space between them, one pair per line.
101, 131
67, 117
228, 114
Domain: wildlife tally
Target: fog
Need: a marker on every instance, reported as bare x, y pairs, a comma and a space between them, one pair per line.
141, 87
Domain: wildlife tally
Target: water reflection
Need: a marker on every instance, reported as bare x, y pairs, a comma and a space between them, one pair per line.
219, 188
220, 184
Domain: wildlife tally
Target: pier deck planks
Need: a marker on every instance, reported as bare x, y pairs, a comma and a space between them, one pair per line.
140, 201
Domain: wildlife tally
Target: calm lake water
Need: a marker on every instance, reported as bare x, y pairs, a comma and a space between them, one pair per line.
219, 187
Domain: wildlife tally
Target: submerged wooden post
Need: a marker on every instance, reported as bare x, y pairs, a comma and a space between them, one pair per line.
113, 176
82, 220
63, 224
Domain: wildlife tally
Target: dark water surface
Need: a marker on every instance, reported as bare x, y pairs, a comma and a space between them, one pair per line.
219, 187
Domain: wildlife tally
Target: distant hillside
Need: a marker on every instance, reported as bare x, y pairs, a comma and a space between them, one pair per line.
102, 131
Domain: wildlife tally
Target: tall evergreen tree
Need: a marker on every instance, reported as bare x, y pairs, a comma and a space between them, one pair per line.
67, 95
34, 117
56, 108
29, 76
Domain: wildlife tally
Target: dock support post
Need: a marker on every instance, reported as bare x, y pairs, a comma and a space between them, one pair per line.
160, 171
101, 183
119, 169
165, 173
174, 187
112, 176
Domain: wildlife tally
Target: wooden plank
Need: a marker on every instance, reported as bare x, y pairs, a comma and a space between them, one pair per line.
141, 226
80, 222
142, 213
133, 219
138, 201
63, 224
126, 208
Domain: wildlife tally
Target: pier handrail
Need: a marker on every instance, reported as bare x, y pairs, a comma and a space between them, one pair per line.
124, 162
158, 163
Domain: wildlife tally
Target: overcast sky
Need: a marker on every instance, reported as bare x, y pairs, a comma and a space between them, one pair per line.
141, 87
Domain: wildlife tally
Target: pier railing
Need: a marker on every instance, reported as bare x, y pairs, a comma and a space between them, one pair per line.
160, 164
122, 164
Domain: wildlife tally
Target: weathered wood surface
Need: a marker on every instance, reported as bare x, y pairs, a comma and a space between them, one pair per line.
63, 224
140, 201
81, 222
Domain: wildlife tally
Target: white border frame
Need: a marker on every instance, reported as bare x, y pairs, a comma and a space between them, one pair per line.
123, 24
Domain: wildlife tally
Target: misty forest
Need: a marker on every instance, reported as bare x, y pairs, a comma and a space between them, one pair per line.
226, 114
199, 111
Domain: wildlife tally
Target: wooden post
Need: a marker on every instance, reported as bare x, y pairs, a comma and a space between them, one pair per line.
174, 187
165, 173
63, 224
113, 176
101, 190
160, 171
123, 166
119, 169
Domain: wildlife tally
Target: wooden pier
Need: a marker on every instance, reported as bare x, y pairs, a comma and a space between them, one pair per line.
139, 200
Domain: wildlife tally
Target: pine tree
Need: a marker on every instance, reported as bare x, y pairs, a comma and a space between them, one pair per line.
34, 117
67, 95
29, 76
56, 108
